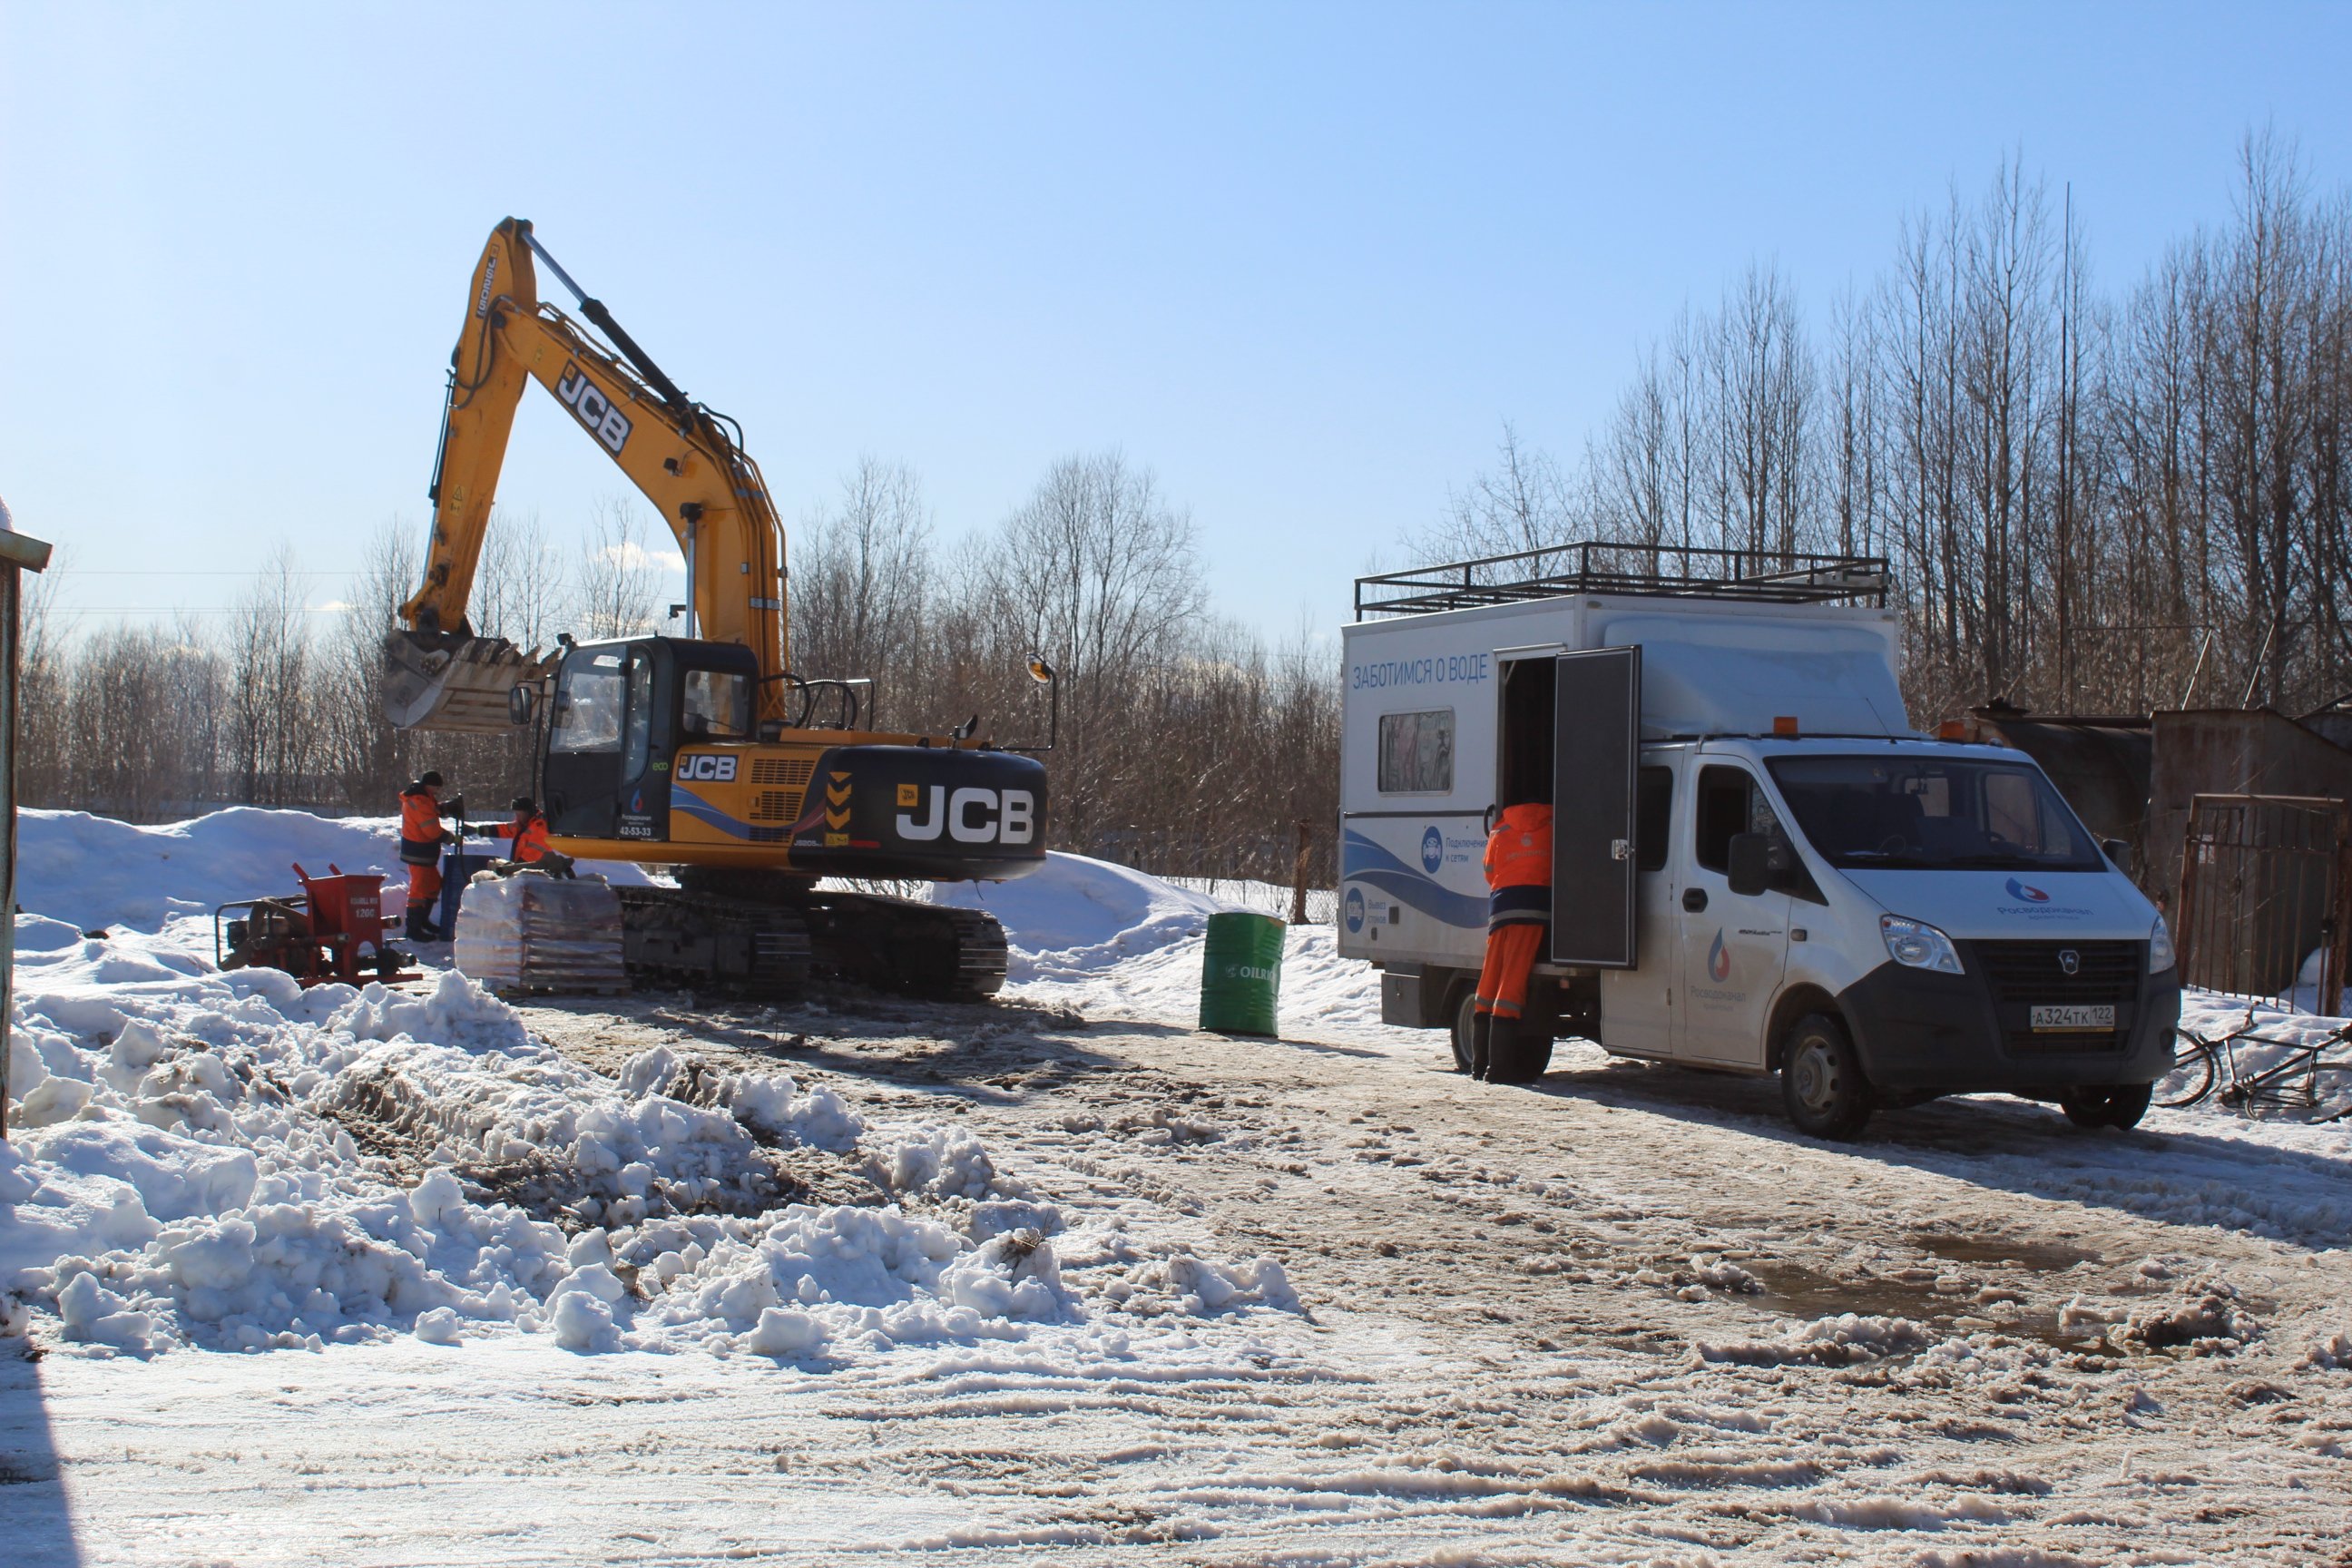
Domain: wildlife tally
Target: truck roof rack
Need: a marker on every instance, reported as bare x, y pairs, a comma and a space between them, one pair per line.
1604, 566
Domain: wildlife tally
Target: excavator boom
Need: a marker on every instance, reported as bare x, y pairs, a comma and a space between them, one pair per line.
440, 675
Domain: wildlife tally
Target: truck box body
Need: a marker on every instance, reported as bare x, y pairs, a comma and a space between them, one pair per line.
1411, 887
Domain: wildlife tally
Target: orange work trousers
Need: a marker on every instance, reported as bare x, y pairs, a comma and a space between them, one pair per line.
425, 888
1510, 953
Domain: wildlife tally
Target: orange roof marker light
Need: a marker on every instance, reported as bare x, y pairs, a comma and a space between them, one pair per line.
1952, 730
1784, 724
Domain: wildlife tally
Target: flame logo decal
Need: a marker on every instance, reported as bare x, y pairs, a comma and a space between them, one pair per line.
2018, 890
1718, 959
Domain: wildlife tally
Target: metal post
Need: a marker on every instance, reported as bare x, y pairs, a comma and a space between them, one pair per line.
1299, 874
18, 554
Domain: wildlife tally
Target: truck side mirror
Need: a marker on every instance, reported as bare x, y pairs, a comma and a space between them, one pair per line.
521, 700
2117, 850
1751, 864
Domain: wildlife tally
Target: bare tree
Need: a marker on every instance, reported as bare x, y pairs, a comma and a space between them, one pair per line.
618, 590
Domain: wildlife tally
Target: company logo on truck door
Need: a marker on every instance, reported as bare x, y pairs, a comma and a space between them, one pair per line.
596, 410
1718, 960
1433, 851
969, 815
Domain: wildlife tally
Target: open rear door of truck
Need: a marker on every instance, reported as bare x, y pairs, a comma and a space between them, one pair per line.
1597, 747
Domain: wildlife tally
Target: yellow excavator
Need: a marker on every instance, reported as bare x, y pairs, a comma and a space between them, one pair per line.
703, 752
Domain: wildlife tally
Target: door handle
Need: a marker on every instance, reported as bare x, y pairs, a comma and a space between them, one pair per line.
1693, 899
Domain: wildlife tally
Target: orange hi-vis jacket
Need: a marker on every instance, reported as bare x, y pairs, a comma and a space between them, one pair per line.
1518, 867
529, 836
420, 829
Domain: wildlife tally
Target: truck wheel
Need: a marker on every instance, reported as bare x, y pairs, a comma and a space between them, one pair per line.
1516, 1052
2116, 1105
1465, 1019
1821, 1082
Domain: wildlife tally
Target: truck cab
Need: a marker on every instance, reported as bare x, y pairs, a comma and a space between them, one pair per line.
1759, 868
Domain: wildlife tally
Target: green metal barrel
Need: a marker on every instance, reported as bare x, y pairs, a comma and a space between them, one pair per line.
1240, 974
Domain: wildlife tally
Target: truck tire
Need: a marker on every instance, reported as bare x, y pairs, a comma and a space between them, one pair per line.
1822, 1082
2116, 1105
1465, 1016
1517, 1051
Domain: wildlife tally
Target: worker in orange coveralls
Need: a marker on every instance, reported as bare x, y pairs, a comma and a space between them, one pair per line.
1518, 912
421, 837
528, 830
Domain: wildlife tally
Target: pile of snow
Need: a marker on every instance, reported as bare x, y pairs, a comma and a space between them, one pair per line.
231, 1163
1110, 940
96, 874
1076, 916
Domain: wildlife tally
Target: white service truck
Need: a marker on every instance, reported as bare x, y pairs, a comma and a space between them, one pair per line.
1758, 866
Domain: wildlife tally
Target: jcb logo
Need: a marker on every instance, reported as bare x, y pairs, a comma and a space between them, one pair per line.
969, 815
596, 410
716, 770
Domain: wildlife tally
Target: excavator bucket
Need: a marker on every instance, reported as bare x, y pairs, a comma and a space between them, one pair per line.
449, 682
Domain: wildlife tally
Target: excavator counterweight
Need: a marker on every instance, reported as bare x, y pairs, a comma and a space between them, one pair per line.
696, 751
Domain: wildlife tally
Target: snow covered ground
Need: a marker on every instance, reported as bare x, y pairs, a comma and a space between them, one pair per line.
414, 1276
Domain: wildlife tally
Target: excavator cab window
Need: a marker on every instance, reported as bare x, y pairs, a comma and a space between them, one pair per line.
718, 705
639, 747
588, 701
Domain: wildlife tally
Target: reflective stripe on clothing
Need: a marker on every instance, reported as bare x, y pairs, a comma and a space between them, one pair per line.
529, 836
1511, 954
1518, 867
420, 829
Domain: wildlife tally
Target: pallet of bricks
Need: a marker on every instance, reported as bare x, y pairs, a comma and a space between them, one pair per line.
528, 931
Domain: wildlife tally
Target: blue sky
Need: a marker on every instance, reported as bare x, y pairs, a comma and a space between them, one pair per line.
1300, 259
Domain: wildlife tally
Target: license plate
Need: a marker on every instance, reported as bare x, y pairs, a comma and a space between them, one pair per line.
2060, 1018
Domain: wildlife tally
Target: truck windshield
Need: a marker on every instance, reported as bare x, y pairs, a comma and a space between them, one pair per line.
1933, 813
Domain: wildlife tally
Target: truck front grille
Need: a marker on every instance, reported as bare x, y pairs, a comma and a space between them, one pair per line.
2023, 975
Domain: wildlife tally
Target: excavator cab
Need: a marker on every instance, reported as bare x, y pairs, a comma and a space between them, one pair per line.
622, 712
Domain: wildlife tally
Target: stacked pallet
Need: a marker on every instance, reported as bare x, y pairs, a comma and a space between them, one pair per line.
530, 931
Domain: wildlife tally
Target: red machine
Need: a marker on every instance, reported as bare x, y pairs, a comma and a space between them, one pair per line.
331, 931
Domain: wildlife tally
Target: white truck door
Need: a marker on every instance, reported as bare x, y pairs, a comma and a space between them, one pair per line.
1596, 747
1635, 1016
1734, 947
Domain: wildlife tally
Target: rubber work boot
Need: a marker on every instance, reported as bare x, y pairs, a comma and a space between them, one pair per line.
1482, 1029
419, 928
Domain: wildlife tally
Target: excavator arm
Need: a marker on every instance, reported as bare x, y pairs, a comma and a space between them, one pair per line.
439, 674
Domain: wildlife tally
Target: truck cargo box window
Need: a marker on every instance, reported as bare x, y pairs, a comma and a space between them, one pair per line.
1654, 805
1730, 801
1916, 814
1417, 752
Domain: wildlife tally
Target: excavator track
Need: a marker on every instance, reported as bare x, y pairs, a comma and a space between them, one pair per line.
764, 936
670, 938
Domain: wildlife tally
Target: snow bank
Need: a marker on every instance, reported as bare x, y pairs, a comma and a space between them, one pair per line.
228, 1162
1077, 917
96, 873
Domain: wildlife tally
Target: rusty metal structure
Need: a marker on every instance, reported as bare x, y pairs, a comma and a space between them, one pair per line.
2265, 880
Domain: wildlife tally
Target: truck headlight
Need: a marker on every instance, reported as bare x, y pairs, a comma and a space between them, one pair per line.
1915, 944
2160, 956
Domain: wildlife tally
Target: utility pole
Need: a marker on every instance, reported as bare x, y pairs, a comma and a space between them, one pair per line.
18, 555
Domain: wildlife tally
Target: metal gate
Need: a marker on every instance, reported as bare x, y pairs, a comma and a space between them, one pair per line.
2265, 883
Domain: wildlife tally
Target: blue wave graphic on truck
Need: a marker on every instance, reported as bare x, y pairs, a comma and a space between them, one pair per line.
1362, 860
